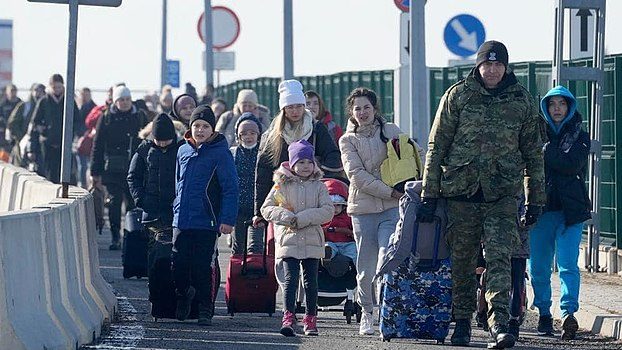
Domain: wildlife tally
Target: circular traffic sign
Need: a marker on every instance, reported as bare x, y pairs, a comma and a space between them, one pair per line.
464, 34
403, 5
225, 27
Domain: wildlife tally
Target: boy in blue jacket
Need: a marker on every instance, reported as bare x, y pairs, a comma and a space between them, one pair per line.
206, 205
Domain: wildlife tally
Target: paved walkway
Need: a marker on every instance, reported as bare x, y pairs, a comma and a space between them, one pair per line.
134, 328
600, 303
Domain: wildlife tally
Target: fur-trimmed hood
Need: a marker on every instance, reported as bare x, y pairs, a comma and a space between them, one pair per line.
285, 174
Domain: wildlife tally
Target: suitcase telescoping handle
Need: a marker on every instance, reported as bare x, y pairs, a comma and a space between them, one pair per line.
265, 249
437, 240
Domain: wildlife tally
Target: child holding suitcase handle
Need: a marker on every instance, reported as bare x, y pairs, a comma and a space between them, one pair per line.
298, 204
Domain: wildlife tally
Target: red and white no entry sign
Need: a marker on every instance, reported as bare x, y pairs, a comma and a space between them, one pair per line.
225, 27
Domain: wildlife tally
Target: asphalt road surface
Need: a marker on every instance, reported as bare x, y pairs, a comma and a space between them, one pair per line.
134, 328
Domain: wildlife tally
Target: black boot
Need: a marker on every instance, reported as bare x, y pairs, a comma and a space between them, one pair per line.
501, 338
462, 333
184, 302
514, 328
570, 326
205, 314
545, 325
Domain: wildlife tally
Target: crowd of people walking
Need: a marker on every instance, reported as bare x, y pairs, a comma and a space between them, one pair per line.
198, 170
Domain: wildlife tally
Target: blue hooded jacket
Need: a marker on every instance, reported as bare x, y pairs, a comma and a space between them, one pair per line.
207, 186
572, 106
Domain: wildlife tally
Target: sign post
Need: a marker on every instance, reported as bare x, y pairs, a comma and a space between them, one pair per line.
172, 73
420, 119
222, 32
71, 79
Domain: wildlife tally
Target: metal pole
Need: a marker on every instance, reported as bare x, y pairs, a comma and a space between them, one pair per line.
420, 125
595, 131
209, 49
558, 53
66, 156
288, 41
163, 52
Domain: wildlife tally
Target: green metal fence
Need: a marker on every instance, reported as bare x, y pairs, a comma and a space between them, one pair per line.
332, 88
535, 76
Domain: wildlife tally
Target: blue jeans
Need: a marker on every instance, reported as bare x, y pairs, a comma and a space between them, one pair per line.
371, 233
83, 166
550, 236
344, 248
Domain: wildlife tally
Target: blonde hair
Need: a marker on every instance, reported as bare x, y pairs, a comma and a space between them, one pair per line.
273, 143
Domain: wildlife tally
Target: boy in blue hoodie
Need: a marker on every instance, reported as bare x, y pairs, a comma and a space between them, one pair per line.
558, 230
206, 205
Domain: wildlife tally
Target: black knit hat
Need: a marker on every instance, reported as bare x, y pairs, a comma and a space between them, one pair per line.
203, 112
163, 128
492, 51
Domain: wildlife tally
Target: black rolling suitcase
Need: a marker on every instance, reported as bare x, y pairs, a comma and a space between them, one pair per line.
161, 287
135, 240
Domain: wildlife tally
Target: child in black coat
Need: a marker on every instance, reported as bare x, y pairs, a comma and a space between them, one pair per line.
248, 131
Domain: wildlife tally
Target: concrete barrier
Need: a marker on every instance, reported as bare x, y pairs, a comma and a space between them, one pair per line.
52, 295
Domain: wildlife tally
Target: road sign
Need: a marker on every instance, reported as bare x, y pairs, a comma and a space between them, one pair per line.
225, 27
464, 34
110, 3
223, 60
403, 5
172, 73
581, 33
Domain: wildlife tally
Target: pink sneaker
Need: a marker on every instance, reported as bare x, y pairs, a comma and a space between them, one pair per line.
310, 325
288, 323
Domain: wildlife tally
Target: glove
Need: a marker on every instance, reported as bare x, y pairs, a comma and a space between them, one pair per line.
531, 215
426, 211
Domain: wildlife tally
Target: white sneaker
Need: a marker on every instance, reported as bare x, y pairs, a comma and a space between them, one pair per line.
367, 324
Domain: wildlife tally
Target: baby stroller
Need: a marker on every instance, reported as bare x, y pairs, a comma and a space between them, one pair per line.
337, 276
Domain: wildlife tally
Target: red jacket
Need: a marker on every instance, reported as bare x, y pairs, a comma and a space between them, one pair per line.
340, 221
343, 221
334, 129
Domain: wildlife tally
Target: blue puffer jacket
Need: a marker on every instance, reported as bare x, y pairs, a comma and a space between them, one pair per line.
207, 186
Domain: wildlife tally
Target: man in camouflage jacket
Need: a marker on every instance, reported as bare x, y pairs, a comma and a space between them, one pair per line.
484, 146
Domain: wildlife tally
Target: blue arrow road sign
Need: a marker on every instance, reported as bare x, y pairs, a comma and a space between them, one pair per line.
464, 34
172, 73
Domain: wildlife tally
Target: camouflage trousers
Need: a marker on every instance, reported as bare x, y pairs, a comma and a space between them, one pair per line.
495, 225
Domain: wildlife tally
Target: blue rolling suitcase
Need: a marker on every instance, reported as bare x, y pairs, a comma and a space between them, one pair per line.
416, 296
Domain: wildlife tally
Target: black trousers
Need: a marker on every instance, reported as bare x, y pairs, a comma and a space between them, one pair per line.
291, 267
192, 258
117, 193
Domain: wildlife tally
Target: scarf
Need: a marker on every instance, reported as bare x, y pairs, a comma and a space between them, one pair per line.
302, 131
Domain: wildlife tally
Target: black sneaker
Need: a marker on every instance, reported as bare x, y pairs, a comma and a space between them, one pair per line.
545, 325
462, 333
205, 315
114, 246
501, 338
184, 302
570, 326
514, 328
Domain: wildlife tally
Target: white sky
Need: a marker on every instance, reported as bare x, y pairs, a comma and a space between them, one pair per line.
123, 44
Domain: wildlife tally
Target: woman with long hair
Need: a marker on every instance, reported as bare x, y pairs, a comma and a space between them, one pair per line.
292, 123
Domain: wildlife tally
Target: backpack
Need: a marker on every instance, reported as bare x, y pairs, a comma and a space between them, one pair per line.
402, 164
427, 246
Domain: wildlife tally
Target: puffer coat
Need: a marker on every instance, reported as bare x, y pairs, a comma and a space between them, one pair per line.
362, 153
305, 200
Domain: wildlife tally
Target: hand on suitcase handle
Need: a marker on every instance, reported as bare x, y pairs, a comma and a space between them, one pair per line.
226, 229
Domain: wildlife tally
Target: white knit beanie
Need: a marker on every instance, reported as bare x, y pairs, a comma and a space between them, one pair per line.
290, 93
120, 91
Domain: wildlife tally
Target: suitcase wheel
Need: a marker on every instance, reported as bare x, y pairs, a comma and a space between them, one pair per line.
155, 319
270, 314
440, 341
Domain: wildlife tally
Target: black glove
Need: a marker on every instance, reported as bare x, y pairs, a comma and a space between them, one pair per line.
426, 211
531, 215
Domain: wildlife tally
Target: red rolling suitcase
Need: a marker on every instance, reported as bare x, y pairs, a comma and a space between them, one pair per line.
251, 285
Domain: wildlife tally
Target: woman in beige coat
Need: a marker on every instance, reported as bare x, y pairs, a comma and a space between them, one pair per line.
372, 204
298, 204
